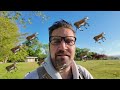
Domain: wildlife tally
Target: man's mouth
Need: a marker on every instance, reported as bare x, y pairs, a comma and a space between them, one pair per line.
62, 55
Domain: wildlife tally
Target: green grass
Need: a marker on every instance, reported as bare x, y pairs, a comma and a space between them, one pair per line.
100, 69
103, 69
23, 68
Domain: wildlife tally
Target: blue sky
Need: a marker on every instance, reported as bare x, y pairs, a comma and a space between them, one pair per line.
100, 21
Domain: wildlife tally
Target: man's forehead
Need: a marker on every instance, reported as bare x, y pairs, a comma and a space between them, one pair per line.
63, 32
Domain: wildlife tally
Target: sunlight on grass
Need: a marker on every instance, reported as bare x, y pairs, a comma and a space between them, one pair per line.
103, 69
23, 68
100, 69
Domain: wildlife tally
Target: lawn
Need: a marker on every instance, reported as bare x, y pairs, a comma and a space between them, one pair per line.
103, 69
100, 69
23, 68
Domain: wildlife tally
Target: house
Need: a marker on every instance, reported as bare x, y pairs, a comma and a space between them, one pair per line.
31, 59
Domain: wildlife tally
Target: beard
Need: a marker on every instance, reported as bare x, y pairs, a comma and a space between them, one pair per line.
61, 61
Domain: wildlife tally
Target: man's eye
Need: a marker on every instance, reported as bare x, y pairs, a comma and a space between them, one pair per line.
56, 41
68, 41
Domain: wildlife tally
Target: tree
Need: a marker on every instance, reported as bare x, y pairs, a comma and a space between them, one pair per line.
8, 37
20, 56
9, 32
20, 16
80, 53
77, 52
46, 48
35, 49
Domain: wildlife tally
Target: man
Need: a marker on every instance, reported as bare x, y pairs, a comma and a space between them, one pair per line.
60, 62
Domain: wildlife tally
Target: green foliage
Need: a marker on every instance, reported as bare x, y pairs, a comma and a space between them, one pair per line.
42, 56
46, 48
20, 16
8, 37
35, 48
77, 52
81, 52
20, 56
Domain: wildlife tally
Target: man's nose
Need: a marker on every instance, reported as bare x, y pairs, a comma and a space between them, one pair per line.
62, 45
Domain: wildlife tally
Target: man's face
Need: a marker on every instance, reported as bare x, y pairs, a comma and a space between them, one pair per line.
62, 51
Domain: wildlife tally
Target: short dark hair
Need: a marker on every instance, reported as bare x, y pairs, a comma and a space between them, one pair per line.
58, 24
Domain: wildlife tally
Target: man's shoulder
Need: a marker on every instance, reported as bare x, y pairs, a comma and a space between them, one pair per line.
81, 67
84, 72
31, 75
